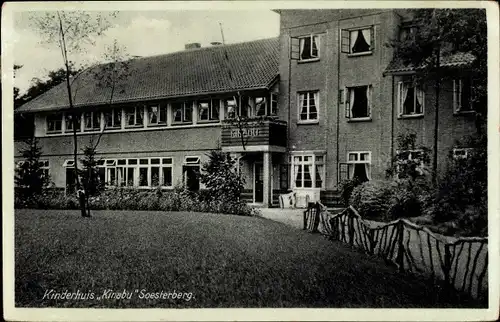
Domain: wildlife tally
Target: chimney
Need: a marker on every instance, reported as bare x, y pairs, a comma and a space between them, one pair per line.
215, 43
192, 45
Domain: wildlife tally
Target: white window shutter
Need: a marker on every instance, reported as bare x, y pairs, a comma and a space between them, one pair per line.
400, 99
344, 41
347, 103
369, 97
372, 38
455, 96
294, 48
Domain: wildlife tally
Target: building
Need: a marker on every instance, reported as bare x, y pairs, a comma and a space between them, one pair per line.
326, 102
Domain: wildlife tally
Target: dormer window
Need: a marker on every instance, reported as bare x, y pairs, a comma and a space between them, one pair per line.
69, 122
309, 48
92, 121
157, 115
134, 116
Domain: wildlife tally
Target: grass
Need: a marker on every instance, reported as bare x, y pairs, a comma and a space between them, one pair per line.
223, 260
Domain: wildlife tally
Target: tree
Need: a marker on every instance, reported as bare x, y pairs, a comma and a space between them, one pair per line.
221, 177
112, 76
29, 175
39, 86
442, 32
70, 31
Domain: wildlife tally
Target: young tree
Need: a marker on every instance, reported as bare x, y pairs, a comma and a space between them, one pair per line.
30, 175
220, 176
442, 32
112, 76
71, 31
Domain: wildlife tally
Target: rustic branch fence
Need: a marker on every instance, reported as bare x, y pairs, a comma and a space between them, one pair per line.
460, 262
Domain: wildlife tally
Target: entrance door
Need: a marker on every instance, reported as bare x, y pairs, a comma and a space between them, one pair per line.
259, 182
191, 177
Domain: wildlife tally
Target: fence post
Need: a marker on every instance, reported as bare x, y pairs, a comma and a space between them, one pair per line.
447, 264
305, 218
350, 227
317, 210
400, 255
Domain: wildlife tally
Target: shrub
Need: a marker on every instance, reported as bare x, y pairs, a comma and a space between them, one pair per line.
135, 199
221, 177
372, 199
346, 188
462, 194
409, 197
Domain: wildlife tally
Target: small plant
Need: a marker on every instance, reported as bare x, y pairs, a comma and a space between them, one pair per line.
30, 176
346, 188
220, 176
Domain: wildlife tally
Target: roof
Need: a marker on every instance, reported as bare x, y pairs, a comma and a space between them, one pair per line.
453, 60
253, 65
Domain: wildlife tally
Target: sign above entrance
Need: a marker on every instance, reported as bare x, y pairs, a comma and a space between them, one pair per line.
246, 132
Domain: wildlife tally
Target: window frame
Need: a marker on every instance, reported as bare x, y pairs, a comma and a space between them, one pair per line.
92, 128
160, 107
359, 161
345, 41
421, 167
347, 103
56, 121
318, 46
185, 105
400, 104
299, 107
138, 110
112, 112
457, 96
313, 163
211, 108
461, 157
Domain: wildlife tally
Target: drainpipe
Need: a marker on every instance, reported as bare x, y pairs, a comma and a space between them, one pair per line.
392, 120
338, 102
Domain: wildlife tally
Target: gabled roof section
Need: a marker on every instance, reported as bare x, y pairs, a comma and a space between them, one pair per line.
253, 65
397, 65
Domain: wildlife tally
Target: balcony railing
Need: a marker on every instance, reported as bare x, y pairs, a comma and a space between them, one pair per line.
254, 132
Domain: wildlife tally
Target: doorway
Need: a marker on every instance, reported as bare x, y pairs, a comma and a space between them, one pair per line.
191, 177
258, 175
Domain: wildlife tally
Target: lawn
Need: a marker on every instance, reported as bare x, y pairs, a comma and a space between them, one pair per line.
221, 260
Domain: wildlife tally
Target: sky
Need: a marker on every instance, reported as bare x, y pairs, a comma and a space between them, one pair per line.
141, 33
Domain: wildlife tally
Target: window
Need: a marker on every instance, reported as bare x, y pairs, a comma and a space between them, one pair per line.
308, 171
411, 99
69, 122
274, 104
231, 108
461, 153
134, 116
54, 123
144, 173
208, 110
157, 115
191, 173
113, 118
183, 112
309, 47
358, 41
45, 167
69, 163
260, 106
416, 156
92, 120
462, 95
308, 106
358, 102
359, 165
407, 33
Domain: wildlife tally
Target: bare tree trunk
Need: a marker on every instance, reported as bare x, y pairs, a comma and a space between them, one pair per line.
436, 120
81, 197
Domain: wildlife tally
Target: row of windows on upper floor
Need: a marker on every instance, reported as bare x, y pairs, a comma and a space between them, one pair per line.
176, 113
354, 42
358, 105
